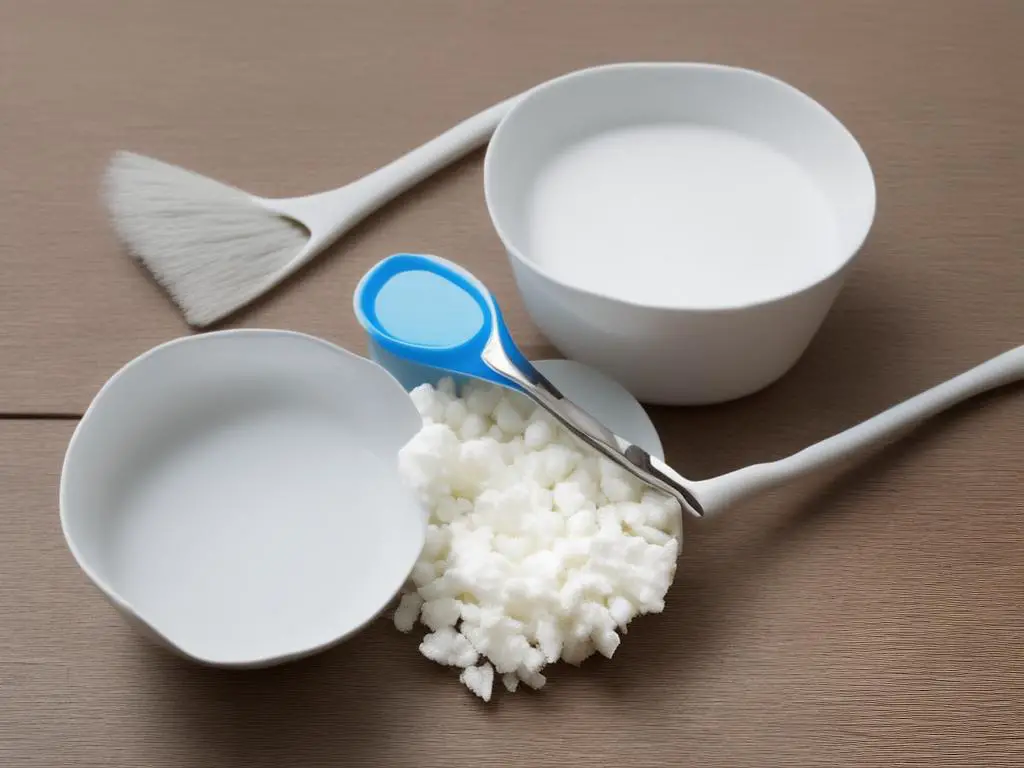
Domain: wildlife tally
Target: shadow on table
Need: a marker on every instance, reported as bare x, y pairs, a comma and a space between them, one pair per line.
328, 707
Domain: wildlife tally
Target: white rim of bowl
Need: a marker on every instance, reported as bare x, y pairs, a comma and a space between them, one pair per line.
641, 65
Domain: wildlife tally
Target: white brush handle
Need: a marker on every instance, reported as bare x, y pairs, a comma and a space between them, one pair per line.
394, 178
329, 214
718, 493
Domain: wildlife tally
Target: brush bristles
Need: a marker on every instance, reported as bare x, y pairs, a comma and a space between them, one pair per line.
208, 244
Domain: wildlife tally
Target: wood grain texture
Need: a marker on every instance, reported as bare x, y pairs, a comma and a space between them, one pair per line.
869, 619
284, 101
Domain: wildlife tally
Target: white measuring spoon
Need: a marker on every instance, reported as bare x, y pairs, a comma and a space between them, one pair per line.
719, 493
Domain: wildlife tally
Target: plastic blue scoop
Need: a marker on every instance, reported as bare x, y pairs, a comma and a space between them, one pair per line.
426, 311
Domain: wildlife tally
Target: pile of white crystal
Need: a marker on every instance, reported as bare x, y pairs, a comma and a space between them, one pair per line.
538, 550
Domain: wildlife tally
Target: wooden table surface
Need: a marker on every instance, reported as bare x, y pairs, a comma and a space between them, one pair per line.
873, 617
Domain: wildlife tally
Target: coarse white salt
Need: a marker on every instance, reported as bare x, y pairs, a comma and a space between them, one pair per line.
479, 680
408, 611
537, 549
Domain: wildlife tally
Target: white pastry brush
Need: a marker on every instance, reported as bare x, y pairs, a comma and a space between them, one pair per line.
215, 248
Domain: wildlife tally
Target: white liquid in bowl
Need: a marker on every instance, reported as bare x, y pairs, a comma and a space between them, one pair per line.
681, 215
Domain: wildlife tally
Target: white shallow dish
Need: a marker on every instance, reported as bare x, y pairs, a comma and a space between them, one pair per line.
236, 494
683, 227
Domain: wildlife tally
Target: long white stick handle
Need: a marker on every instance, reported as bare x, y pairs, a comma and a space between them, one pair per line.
718, 493
377, 188
330, 214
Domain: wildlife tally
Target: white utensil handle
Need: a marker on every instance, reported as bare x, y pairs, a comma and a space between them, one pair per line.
721, 492
384, 184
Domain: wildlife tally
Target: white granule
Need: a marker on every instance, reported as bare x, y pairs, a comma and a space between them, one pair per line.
538, 550
480, 680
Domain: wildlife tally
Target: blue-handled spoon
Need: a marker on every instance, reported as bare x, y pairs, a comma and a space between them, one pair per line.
431, 312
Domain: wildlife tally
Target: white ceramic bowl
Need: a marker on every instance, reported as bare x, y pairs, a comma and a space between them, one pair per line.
236, 494
684, 228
